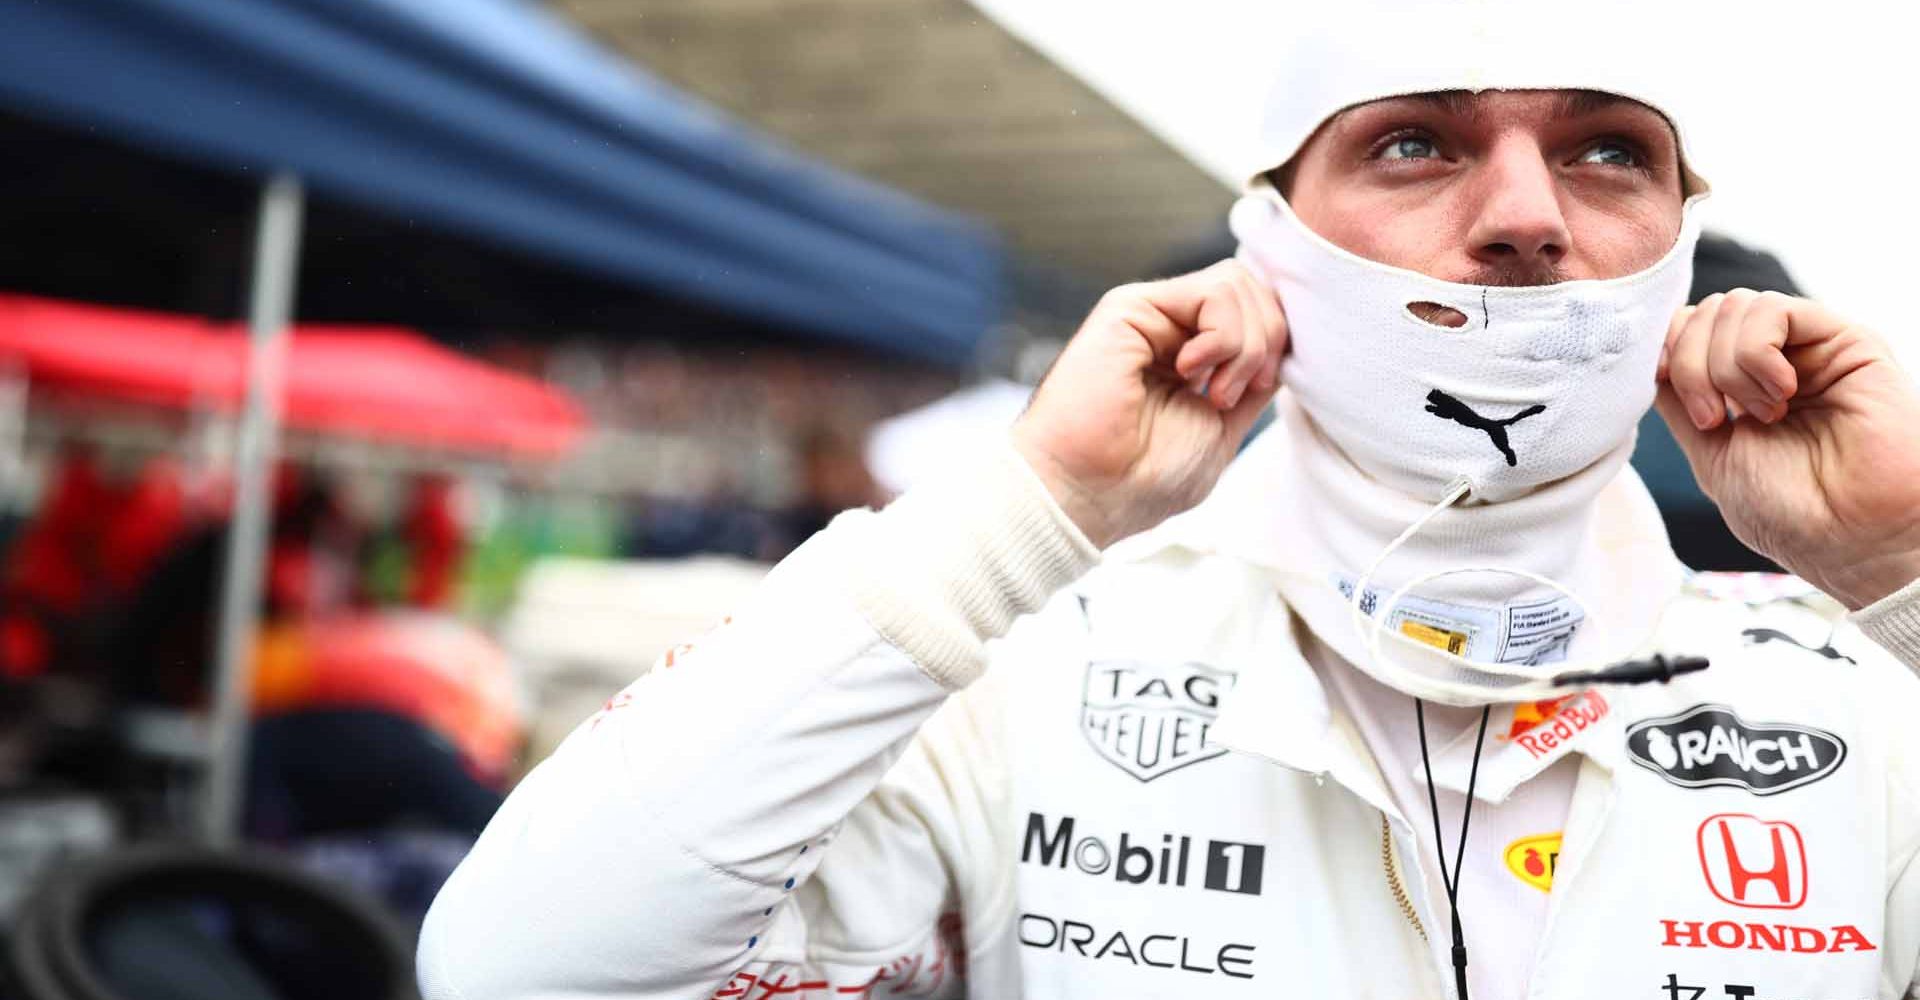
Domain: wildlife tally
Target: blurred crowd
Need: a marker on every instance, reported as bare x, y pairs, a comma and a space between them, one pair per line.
389, 715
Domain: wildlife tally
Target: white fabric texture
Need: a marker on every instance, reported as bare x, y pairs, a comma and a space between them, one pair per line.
1350, 53
795, 802
1894, 622
1542, 386
1305, 510
953, 565
1541, 382
1507, 914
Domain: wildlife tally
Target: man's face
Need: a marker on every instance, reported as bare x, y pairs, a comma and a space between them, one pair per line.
1522, 187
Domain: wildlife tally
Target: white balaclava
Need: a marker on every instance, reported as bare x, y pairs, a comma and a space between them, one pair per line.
1500, 421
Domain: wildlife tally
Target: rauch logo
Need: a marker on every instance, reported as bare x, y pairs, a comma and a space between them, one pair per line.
1709, 745
1223, 865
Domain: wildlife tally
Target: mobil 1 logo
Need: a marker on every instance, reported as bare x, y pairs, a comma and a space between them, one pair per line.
1709, 745
1167, 859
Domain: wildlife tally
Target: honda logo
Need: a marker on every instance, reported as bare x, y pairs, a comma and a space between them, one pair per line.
1753, 862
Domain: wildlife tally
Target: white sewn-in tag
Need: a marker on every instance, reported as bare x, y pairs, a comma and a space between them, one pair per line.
1540, 631
1530, 633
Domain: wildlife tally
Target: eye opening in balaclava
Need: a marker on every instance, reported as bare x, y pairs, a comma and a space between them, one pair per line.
1281, 178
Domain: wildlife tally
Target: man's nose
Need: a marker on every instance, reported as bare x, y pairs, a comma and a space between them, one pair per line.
1519, 221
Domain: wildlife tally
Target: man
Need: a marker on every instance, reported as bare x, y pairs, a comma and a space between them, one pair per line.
1377, 719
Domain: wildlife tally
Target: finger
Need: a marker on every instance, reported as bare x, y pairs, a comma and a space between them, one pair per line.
1761, 352
1131, 307
1246, 413
1809, 322
1206, 353
1185, 299
1204, 304
1273, 333
1252, 354
1687, 366
1172, 313
1700, 447
1822, 348
1267, 332
1275, 327
1732, 335
1674, 326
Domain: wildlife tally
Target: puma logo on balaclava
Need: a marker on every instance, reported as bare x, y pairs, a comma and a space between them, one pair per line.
1448, 408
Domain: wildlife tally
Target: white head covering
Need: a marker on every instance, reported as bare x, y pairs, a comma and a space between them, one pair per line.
1355, 51
1510, 428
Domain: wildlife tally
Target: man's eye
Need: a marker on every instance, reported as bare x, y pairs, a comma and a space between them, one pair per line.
1613, 154
1409, 147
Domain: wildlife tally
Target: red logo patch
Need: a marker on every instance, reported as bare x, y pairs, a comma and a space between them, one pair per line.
1752, 862
1543, 726
1759, 864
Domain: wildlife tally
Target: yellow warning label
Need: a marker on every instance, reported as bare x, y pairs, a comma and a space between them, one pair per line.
1439, 638
1534, 859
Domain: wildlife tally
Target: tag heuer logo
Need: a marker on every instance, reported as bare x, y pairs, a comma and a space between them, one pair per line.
1709, 745
1149, 719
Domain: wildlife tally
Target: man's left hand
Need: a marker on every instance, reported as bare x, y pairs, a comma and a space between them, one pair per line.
1805, 432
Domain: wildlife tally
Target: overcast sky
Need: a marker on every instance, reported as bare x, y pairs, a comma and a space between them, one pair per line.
1807, 138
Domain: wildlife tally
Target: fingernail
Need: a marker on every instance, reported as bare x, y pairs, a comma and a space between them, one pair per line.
1701, 411
1773, 392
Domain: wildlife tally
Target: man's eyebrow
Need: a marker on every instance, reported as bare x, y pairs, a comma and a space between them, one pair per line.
1459, 103
1578, 103
1567, 104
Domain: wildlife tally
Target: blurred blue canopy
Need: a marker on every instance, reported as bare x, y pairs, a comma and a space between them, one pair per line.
493, 119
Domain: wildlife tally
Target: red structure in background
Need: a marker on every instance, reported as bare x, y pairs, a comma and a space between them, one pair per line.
381, 383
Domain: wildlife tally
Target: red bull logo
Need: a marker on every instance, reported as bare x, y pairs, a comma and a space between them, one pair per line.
1544, 726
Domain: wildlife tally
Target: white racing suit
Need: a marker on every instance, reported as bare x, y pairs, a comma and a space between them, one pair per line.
831, 796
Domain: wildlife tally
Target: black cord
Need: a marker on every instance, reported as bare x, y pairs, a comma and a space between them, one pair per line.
1658, 667
1452, 882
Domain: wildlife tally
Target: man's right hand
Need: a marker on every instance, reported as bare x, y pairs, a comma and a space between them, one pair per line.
1119, 430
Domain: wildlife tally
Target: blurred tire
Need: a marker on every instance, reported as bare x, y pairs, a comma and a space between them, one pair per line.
52, 955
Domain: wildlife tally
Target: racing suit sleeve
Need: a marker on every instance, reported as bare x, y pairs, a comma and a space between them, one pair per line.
725, 816
1900, 964
1900, 970
1894, 622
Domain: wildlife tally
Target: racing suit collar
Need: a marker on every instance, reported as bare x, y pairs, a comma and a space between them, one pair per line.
1293, 505
1280, 712
1530, 737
